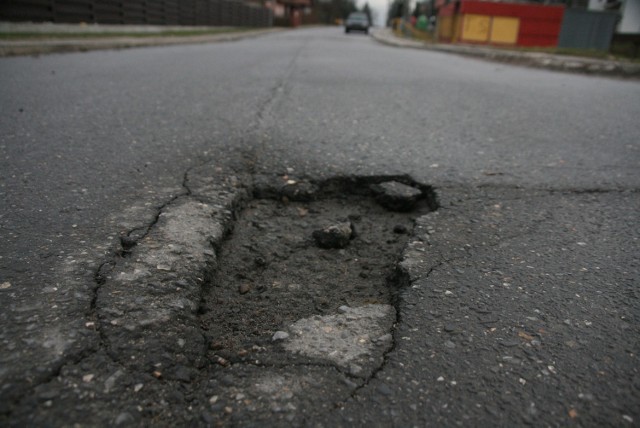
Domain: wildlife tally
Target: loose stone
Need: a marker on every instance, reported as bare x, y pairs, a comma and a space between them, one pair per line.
334, 236
349, 383
280, 335
396, 196
387, 338
124, 418
354, 369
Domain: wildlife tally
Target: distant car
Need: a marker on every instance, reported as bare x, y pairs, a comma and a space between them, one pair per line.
357, 21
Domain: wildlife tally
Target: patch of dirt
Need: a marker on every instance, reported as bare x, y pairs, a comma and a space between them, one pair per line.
271, 272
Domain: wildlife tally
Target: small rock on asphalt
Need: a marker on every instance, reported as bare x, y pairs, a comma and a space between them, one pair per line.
280, 335
396, 196
301, 191
334, 236
124, 418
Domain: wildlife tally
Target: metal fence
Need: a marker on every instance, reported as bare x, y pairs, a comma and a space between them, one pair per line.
584, 29
152, 12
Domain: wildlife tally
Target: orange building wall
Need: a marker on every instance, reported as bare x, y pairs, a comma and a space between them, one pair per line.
484, 22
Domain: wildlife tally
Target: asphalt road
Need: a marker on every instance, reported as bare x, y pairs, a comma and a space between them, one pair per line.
523, 302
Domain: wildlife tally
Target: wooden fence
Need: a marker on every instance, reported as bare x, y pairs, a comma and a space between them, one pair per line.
138, 12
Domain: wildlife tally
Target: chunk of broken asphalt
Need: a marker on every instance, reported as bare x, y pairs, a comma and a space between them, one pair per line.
334, 236
396, 196
276, 187
301, 191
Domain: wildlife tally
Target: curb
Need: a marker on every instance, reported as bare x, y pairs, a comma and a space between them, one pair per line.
532, 59
41, 47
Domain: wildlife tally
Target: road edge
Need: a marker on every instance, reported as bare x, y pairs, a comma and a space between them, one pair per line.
609, 68
43, 47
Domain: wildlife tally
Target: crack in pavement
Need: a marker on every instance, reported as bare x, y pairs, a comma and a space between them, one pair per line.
124, 329
449, 313
92, 322
214, 195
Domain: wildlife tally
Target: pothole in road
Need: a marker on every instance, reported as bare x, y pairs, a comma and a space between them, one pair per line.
292, 312
283, 295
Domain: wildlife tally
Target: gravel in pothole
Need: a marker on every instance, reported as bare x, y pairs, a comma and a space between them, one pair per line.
271, 271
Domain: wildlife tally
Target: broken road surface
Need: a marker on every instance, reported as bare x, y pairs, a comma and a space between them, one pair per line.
271, 236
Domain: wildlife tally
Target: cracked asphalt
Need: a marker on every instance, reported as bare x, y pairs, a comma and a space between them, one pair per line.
124, 173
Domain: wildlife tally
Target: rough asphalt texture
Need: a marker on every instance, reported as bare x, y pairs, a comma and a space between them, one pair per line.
516, 302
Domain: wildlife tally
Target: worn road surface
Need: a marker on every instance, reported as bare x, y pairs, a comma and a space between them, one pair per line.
157, 264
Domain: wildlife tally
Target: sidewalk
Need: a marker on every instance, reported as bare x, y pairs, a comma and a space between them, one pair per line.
57, 38
533, 59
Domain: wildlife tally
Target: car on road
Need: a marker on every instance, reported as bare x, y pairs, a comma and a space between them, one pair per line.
357, 21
